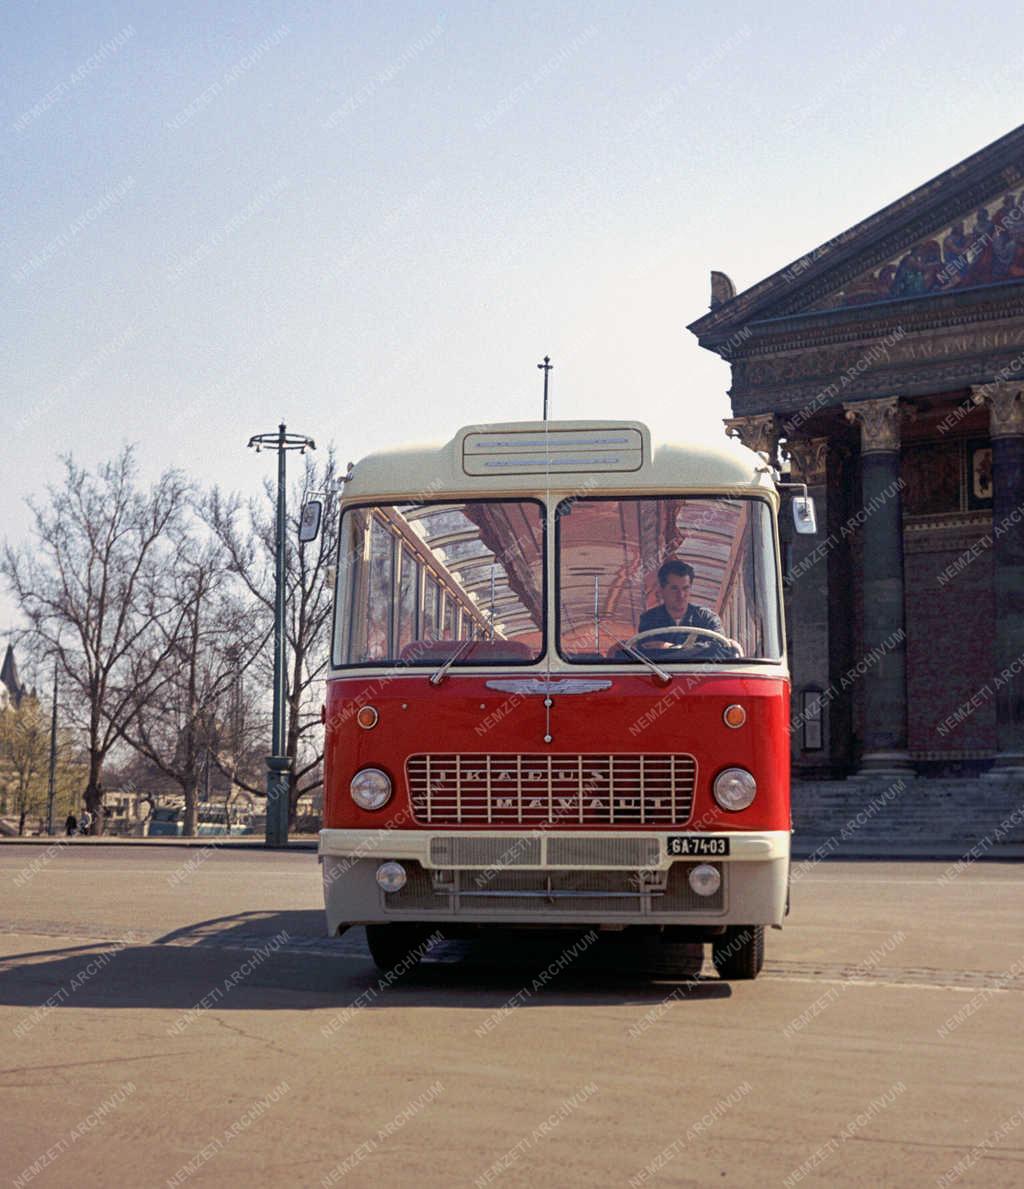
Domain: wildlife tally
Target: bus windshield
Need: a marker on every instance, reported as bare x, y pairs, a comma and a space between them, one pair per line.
413, 578
673, 578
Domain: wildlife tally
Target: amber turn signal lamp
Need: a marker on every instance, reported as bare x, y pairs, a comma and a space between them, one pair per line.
367, 717
734, 716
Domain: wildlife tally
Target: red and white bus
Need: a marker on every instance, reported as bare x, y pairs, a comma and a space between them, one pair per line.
558, 692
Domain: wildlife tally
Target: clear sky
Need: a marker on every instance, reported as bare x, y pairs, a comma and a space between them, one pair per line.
374, 219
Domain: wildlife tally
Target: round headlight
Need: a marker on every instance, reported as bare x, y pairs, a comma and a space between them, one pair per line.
370, 788
391, 876
705, 879
735, 789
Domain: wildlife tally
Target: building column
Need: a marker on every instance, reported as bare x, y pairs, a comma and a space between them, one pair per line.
884, 662
760, 433
805, 579
1006, 427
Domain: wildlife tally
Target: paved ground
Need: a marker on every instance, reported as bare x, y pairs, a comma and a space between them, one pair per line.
177, 1017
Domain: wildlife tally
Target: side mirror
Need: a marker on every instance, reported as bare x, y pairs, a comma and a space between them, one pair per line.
804, 519
309, 524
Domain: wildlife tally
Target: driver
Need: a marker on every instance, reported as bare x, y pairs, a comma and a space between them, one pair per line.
675, 578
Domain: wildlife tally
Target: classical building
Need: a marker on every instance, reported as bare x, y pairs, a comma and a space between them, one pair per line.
886, 369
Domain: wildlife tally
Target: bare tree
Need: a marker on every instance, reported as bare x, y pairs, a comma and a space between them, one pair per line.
205, 641
82, 587
25, 753
25, 762
248, 532
239, 744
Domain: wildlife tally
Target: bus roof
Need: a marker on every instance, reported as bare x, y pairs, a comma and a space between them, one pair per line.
594, 457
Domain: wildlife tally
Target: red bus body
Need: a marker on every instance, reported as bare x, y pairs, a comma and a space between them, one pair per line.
636, 711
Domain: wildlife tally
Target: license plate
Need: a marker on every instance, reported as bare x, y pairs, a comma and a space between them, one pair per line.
710, 845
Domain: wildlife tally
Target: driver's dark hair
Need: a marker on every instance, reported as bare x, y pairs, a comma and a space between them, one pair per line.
682, 568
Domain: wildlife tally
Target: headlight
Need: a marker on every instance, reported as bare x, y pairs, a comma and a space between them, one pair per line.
370, 788
735, 789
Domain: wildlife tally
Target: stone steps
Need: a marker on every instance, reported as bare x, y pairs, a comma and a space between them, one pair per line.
945, 817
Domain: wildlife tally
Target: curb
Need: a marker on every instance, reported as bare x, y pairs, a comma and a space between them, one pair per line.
925, 853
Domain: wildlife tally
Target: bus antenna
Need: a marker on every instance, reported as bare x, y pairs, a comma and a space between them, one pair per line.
545, 367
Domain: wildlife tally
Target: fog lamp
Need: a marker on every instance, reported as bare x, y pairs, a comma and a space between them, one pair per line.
391, 876
704, 879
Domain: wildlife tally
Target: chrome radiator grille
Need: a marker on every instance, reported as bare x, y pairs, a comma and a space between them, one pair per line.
544, 789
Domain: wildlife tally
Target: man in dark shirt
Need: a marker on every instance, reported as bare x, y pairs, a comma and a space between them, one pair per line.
675, 578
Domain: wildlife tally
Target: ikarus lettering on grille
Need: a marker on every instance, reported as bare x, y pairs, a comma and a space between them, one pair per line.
506, 776
655, 789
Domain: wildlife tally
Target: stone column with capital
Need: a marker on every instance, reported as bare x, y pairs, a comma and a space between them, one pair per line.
884, 660
808, 460
1006, 427
806, 590
760, 433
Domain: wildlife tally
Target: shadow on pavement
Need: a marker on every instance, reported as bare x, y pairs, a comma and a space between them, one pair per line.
302, 926
282, 960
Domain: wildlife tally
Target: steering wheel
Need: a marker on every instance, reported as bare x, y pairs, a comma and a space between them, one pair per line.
688, 643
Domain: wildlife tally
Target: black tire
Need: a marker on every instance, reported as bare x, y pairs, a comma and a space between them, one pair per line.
396, 946
739, 952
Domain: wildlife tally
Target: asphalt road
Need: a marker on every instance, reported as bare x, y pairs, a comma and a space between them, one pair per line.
173, 1017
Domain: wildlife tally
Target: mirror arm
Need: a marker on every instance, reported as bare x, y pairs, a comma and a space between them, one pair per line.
801, 487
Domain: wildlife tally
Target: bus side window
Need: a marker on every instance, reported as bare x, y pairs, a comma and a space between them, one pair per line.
408, 598
431, 598
378, 617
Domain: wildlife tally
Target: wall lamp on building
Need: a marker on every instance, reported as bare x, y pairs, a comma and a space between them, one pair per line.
810, 716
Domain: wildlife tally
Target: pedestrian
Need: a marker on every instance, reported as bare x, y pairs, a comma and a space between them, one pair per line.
84, 822
71, 825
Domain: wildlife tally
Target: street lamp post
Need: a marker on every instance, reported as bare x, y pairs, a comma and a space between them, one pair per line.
52, 786
279, 763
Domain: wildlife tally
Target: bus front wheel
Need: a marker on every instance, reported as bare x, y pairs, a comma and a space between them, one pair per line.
739, 952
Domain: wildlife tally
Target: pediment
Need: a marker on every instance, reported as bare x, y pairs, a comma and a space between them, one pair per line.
983, 245
962, 230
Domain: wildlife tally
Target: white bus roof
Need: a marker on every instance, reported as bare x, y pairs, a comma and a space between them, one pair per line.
589, 457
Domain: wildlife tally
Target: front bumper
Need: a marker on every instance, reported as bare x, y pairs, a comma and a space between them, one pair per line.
531, 876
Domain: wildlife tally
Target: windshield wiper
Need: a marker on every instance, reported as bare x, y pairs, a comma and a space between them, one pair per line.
442, 673
657, 670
